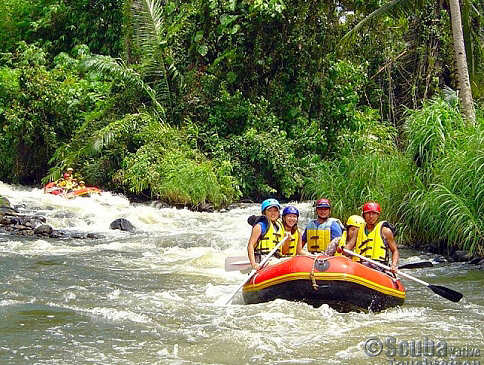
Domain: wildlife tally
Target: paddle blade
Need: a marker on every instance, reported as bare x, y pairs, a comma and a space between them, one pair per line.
416, 265
446, 292
236, 263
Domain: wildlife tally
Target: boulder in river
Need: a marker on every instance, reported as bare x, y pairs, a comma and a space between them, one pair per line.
6, 207
43, 229
122, 224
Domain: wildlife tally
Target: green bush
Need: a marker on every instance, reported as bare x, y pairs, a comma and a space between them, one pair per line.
352, 180
248, 134
40, 110
369, 135
451, 208
59, 25
429, 131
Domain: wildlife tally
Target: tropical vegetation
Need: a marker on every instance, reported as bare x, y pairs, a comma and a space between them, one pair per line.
203, 101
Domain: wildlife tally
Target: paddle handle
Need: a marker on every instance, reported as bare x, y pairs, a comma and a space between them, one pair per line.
263, 262
385, 266
240, 286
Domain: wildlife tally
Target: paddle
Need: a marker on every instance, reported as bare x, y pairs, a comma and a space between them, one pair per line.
416, 265
447, 293
240, 263
236, 263
263, 262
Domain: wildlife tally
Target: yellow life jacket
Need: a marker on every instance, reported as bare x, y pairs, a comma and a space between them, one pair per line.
342, 243
293, 240
270, 239
372, 245
318, 237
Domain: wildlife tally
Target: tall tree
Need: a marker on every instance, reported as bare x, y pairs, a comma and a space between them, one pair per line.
460, 55
396, 7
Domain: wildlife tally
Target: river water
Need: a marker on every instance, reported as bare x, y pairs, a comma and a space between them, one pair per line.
156, 297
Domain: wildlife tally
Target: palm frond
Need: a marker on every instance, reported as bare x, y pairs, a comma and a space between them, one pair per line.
154, 35
394, 9
117, 130
148, 30
118, 70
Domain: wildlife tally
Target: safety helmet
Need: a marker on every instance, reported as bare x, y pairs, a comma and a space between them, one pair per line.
70, 169
371, 207
355, 220
323, 203
290, 210
81, 182
269, 203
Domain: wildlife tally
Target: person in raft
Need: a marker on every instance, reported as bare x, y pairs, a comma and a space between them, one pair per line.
375, 239
266, 233
293, 246
67, 182
323, 234
352, 226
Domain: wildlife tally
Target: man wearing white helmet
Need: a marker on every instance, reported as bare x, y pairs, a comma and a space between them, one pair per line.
266, 233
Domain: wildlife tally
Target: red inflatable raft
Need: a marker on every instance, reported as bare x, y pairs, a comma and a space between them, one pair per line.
341, 283
52, 188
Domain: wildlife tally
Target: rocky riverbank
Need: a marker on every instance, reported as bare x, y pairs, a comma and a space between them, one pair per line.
12, 222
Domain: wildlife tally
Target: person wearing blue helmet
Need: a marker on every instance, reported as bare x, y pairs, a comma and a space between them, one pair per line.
266, 232
293, 246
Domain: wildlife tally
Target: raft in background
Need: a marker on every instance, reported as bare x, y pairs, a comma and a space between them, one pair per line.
52, 188
341, 283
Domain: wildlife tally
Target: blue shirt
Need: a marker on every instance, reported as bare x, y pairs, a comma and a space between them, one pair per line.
336, 228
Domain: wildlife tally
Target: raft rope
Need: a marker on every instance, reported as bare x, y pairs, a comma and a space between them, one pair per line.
313, 278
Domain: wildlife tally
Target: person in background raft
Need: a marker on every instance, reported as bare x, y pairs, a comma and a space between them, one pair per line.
352, 226
375, 239
293, 246
323, 234
67, 182
266, 232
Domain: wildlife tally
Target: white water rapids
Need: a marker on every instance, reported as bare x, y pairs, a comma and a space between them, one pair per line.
156, 297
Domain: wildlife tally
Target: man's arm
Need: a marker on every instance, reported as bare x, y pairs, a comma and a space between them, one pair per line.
351, 236
392, 245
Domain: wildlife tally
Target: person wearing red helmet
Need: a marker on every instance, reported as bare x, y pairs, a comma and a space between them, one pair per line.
323, 234
375, 239
67, 183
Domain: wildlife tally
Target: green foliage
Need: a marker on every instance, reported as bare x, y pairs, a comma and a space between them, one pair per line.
369, 135
142, 155
247, 134
352, 180
171, 170
176, 177
59, 25
119, 72
40, 109
450, 208
429, 131
15, 21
